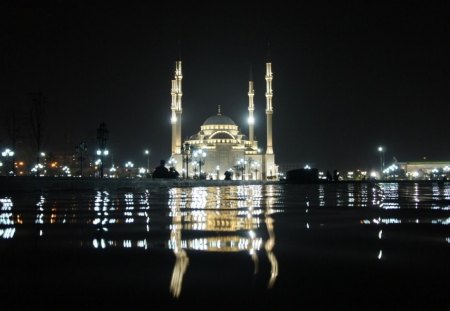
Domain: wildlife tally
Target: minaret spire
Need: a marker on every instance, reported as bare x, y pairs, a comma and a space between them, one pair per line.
269, 108
176, 108
251, 109
179, 50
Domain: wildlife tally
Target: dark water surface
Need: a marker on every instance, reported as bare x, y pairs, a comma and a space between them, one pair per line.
264, 247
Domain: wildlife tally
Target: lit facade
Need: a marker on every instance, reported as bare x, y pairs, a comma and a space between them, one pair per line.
425, 169
220, 146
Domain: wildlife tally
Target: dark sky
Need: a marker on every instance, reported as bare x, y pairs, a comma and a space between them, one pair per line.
348, 76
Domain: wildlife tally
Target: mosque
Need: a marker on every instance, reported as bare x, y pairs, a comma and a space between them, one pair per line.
220, 146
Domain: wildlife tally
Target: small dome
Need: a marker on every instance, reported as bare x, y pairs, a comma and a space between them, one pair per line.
219, 120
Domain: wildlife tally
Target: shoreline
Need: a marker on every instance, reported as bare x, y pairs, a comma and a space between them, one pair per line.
32, 183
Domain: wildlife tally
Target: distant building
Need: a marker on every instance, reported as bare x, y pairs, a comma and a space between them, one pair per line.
425, 169
220, 146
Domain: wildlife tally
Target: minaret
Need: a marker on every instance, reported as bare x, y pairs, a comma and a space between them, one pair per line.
176, 93
251, 108
269, 108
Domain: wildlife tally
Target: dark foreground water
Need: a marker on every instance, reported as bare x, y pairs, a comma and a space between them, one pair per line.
257, 247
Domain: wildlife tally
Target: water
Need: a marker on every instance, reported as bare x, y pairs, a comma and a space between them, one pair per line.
267, 247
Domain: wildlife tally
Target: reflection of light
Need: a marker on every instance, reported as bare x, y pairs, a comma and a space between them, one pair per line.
6, 216
7, 233
40, 216
96, 243
380, 254
6, 219
385, 221
390, 198
441, 221
379, 234
321, 195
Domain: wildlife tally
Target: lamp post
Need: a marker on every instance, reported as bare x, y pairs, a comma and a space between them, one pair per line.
8, 153
112, 171
201, 160
102, 154
147, 153
217, 171
129, 165
381, 151
102, 138
241, 167
256, 170
185, 150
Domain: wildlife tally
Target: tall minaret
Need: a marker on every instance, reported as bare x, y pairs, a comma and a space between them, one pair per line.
269, 108
176, 109
251, 108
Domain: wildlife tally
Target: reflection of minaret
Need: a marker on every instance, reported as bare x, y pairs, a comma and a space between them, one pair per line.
270, 243
181, 258
176, 108
269, 109
181, 262
251, 108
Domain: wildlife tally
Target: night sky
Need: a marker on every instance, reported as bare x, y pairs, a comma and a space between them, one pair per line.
348, 77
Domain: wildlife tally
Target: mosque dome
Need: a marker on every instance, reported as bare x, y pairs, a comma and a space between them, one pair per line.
219, 120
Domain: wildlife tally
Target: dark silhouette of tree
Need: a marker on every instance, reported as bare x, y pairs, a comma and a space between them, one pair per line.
37, 122
102, 138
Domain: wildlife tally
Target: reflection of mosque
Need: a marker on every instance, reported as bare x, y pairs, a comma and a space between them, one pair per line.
213, 219
227, 225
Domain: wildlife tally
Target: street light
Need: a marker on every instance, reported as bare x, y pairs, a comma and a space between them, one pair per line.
112, 171
147, 152
202, 155
185, 150
241, 166
8, 153
102, 153
172, 162
381, 151
129, 165
254, 167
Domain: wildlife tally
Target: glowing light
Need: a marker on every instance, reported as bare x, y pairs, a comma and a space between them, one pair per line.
251, 120
8, 153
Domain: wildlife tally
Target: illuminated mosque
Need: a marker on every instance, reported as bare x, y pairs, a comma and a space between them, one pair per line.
220, 146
